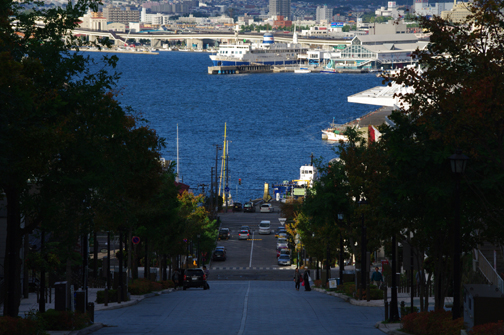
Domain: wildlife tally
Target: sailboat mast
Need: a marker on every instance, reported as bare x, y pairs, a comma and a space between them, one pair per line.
178, 175
223, 162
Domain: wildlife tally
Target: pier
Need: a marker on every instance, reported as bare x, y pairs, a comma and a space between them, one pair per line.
237, 69
260, 68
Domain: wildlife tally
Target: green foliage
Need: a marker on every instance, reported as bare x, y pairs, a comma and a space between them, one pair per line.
112, 296
63, 320
167, 284
143, 286
432, 323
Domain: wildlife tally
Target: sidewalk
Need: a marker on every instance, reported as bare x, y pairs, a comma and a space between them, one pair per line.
388, 328
31, 305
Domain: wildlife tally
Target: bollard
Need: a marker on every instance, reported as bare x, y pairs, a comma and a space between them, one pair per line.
386, 310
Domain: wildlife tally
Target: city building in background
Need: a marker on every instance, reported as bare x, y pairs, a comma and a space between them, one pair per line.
117, 14
280, 8
324, 14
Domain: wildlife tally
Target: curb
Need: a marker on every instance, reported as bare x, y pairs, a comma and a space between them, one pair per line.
372, 303
88, 330
392, 331
135, 301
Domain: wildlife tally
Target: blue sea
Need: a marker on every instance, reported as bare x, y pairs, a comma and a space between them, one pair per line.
274, 121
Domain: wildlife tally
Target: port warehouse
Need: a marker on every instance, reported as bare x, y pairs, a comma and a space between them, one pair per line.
363, 51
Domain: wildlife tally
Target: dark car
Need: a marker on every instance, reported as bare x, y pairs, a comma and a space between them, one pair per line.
195, 278
249, 207
219, 255
224, 234
237, 207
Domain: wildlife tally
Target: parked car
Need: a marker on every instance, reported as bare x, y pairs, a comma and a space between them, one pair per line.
195, 278
243, 235
249, 207
282, 241
281, 249
220, 247
280, 230
265, 227
283, 234
266, 208
224, 234
219, 255
284, 260
237, 207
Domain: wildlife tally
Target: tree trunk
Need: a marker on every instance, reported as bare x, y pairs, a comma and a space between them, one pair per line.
134, 267
12, 254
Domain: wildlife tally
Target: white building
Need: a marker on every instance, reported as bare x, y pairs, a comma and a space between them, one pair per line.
324, 14
424, 8
390, 11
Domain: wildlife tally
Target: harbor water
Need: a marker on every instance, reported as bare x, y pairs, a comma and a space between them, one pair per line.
274, 120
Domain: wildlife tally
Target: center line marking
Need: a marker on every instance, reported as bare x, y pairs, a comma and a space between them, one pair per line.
251, 249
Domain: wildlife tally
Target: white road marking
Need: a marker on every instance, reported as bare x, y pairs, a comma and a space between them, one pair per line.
245, 306
251, 249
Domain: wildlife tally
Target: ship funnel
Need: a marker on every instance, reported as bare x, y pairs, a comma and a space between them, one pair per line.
268, 38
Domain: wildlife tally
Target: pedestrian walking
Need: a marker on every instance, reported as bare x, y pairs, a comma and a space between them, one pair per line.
377, 277
306, 279
297, 278
175, 277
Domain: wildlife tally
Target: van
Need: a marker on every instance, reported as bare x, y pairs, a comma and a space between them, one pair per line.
265, 227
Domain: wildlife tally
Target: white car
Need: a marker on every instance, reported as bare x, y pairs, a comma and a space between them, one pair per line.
265, 227
266, 208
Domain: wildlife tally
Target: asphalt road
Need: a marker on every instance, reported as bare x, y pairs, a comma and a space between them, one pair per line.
244, 308
253, 259
249, 294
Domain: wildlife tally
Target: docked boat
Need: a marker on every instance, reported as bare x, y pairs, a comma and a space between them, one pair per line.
335, 132
265, 53
302, 70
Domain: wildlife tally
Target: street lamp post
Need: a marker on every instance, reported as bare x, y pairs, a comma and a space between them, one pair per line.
394, 311
341, 253
458, 165
198, 236
363, 252
327, 265
317, 274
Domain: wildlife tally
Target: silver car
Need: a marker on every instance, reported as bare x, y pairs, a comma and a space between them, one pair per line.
284, 259
243, 235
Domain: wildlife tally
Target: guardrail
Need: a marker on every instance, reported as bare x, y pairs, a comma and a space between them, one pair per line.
488, 271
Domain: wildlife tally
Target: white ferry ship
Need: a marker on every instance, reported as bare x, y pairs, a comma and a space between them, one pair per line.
266, 53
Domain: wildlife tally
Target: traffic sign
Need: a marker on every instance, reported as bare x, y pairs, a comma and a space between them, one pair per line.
135, 240
226, 189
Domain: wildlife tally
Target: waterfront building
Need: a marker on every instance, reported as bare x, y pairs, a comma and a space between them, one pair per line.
324, 14
375, 52
117, 14
280, 7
